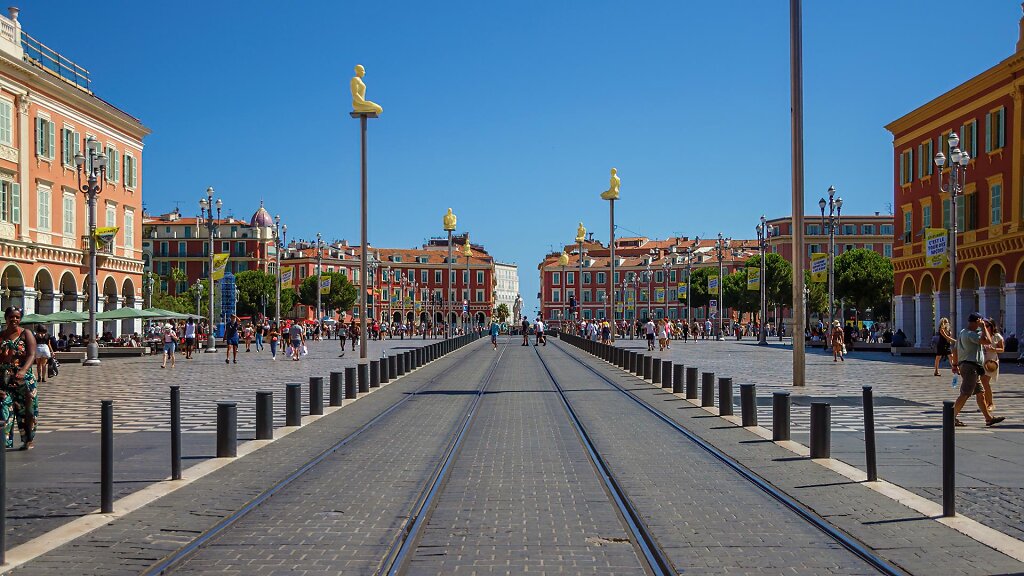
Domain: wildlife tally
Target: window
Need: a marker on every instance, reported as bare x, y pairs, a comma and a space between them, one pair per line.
6, 127
10, 202
672, 276
556, 278
926, 216
131, 170
479, 295
225, 247
995, 122
602, 277
587, 277
44, 138
997, 203
480, 277
869, 247
813, 248
960, 214
887, 250
43, 216
600, 295
886, 229
907, 166
849, 247
437, 276
925, 152
849, 229
465, 277
181, 249
556, 295
68, 146
163, 249
68, 216
424, 276
908, 219
969, 138
111, 220
659, 277
868, 229
113, 165
587, 295
945, 213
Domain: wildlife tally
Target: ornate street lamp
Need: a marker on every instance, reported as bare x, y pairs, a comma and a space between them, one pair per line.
764, 232
467, 251
722, 245
830, 222
319, 262
581, 235
199, 296
95, 171
954, 186
563, 261
206, 206
449, 227
278, 246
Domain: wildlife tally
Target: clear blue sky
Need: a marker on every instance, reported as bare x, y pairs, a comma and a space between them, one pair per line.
512, 113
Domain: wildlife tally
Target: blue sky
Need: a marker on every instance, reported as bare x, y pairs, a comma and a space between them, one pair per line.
512, 113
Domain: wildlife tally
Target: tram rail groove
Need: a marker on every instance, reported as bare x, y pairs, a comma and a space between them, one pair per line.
176, 558
656, 560
397, 559
845, 540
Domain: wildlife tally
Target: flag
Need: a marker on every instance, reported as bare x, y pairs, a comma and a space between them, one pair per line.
220, 264
325, 285
630, 296
935, 240
753, 278
712, 283
659, 295
819, 267
681, 292
287, 273
104, 236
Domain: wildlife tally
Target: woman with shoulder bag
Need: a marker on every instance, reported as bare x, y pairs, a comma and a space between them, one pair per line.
992, 361
943, 344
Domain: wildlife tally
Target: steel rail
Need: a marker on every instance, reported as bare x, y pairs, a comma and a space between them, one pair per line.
656, 559
848, 542
174, 559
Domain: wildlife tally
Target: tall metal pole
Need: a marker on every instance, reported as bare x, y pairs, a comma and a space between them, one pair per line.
689, 268
952, 258
721, 292
579, 292
469, 294
797, 123
277, 284
763, 336
611, 262
362, 239
92, 347
319, 261
448, 289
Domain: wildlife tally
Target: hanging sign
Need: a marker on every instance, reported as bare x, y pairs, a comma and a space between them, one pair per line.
819, 267
753, 278
936, 246
712, 283
220, 264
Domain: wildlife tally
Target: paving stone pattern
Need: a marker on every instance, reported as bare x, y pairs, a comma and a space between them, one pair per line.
918, 544
707, 518
522, 496
139, 539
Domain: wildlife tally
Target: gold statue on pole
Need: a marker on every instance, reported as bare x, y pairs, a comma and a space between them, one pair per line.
581, 234
467, 250
563, 259
359, 102
449, 221
612, 193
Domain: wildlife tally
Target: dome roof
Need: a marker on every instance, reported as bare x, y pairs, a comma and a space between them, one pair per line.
262, 218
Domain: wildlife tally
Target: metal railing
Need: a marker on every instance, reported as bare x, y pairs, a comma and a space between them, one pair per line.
51, 61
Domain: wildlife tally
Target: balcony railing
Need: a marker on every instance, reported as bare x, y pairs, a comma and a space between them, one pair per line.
48, 59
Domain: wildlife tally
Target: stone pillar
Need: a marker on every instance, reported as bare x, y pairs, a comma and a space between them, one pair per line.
30, 299
25, 150
137, 323
964, 306
989, 302
1014, 309
906, 317
941, 307
925, 321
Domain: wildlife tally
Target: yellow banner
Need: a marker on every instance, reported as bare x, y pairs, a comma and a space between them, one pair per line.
753, 278
325, 285
287, 273
712, 283
104, 236
819, 267
935, 243
681, 292
659, 295
220, 264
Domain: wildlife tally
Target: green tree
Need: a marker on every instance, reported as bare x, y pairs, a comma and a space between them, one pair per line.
817, 299
778, 280
174, 277
255, 287
341, 297
737, 297
502, 312
699, 296
865, 279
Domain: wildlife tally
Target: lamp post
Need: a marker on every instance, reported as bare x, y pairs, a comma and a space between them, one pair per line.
764, 232
649, 278
386, 277
625, 283
830, 222
563, 261
954, 186
206, 206
278, 246
689, 253
581, 235
721, 247
199, 296
319, 262
611, 195
147, 283
95, 172
371, 268
665, 267
403, 284
467, 251
449, 227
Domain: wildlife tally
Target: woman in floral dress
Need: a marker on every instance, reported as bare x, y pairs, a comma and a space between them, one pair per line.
18, 386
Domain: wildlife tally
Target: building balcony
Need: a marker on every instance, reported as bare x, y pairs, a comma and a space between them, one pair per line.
21, 46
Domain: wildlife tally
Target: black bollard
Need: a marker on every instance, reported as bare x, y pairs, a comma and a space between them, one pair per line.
350, 383
265, 415
691, 382
175, 433
227, 429
821, 430
666, 374
655, 371
707, 389
106, 456
678, 378
725, 396
948, 460
384, 365
869, 434
780, 416
748, 404
400, 358
393, 367
293, 405
336, 392
363, 370
374, 373
316, 395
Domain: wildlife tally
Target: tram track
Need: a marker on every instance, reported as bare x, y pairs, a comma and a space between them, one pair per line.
807, 515
182, 555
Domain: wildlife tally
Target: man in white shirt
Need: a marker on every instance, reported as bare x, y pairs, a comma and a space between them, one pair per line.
538, 328
649, 330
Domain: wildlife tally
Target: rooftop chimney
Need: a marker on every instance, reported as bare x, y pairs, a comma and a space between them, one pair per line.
12, 11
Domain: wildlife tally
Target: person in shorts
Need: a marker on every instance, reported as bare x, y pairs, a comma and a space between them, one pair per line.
526, 331
296, 336
494, 334
649, 330
969, 363
190, 337
170, 338
231, 330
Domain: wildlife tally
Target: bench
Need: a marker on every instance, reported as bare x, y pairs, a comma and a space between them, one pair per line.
69, 356
912, 351
117, 351
857, 346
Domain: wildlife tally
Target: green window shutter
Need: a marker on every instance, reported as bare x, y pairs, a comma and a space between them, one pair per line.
78, 143
988, 132
50, 136
903, 166
1002, 127
16, 203
39, 136
974, 138
910, 165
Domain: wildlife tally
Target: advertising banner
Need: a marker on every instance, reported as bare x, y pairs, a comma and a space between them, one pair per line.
936, 246
325, 285
754, 279
659, 295
819, 267
712, 283
681, 292
220, 264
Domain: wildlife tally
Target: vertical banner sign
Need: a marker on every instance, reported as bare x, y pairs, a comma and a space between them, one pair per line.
104, 236
644, 296
819, 267
325, 285
712, 283
713, 307
753, 278
681, 292
220, 264
659, 295
287, 273
935, 240
630, 296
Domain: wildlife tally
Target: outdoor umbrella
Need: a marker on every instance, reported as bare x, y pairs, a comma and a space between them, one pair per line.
127, 314
67, 317
34, 319
161, 313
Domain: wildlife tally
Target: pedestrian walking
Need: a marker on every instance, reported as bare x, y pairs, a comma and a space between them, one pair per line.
838, 347
342, 332
298, 338
662, 335
353, 334
943, 344
261, 329
190, 337
495, 329
18, 398
539, 337
968, 363
992, 361
649, 330
275, 338
231, 330
526, 331
170, 337
44, 351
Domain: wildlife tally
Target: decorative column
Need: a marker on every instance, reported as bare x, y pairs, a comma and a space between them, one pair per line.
925, 327
989, 302
30, 299
964, 306
1014, 309
25, 134
906, 318
941, 307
